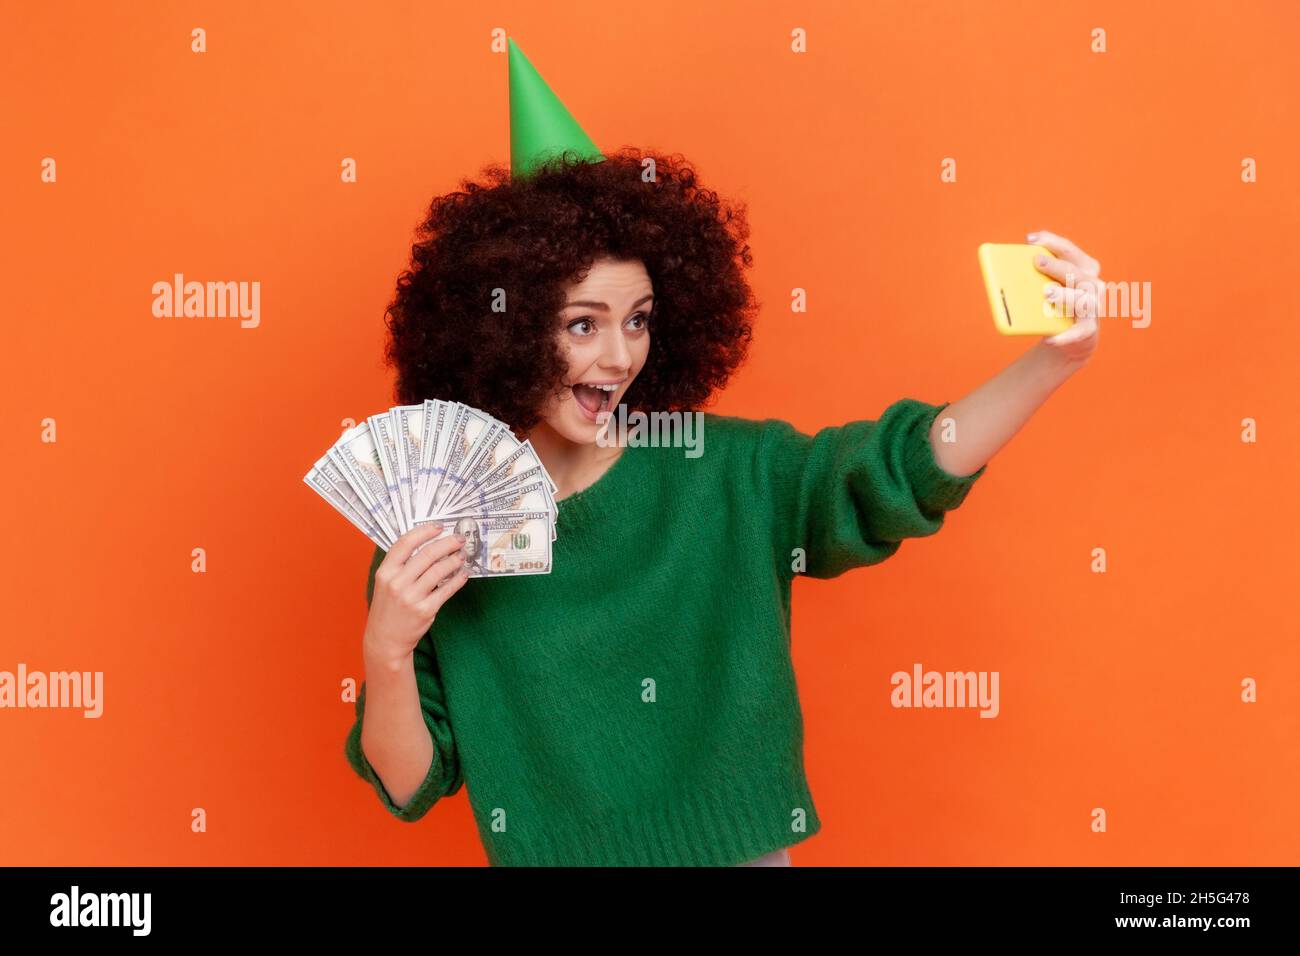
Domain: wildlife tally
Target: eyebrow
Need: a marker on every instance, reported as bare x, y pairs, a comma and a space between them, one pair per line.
602, 306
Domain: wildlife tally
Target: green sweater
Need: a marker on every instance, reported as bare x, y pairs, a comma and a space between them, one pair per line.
637, 705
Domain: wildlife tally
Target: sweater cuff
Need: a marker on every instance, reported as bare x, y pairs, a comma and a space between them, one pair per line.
425, 796
936, 490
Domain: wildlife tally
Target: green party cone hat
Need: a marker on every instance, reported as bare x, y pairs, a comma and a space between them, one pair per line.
540, 125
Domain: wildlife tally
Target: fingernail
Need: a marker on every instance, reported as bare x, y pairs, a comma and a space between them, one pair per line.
460, 538
1042, 260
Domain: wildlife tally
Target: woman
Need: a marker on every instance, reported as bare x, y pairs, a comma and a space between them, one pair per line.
637, 706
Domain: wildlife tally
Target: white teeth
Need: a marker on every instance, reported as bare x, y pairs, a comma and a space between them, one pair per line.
605, 388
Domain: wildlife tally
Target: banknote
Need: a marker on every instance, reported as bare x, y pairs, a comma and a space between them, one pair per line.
446, 463
502, 543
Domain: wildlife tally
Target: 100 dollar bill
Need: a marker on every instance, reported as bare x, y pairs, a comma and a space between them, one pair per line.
501, 544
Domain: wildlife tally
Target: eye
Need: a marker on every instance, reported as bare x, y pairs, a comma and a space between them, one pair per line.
640, 320
582, 326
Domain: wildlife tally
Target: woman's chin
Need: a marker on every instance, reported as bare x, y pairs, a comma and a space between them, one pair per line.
572, 425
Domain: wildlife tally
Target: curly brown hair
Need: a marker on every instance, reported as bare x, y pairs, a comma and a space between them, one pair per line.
530, 237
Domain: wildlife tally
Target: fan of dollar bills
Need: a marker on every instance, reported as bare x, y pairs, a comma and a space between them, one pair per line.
449, 464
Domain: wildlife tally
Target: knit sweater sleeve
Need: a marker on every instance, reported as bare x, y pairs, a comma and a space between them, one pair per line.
850, 494
444, 777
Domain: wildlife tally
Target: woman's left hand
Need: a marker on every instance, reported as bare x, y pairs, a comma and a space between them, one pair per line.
1078, 296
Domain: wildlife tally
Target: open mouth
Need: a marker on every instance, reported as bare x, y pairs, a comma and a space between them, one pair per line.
594, 398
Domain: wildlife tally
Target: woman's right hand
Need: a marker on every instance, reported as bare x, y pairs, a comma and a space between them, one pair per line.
410, 589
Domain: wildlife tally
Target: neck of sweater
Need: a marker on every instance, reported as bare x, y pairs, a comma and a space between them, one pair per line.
583, 509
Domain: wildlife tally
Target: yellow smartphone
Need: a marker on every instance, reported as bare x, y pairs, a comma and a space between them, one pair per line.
1015, 288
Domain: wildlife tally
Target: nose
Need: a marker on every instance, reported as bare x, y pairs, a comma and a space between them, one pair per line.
616, 356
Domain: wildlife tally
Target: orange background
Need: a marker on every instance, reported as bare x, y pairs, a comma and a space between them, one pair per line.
222, 690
